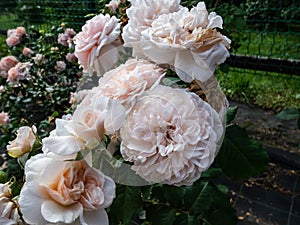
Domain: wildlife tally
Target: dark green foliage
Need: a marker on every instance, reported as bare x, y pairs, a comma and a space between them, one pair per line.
241, 157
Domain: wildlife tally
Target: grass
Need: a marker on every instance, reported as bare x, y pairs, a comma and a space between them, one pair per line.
7, 21
273, 45
267, 90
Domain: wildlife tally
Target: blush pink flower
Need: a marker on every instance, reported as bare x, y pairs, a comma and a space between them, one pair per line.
60, 66
141, 14
13, 40
27, 51
8, 62
20, 31
87, 128
19, 72
98, 36
70, 57
4, 119
171, 136
23, 142
9, 209
188, 41
113, 5
129, 81
64, 192
66, 38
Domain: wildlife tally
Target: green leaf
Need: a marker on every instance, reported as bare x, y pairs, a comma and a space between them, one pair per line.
174, 195
125, 205
185, 219
203, 200
3, 177
289, 113
211, 173
231, 113
240, 156
161, 215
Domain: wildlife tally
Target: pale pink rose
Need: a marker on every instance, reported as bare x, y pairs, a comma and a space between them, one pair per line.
87, 128
23, 142
9, 212
13, 40
27, 51
188, 41
54, 49
141, 14
95, 45
60, 66
38, 59
8, 62
63, 39
3, 73
129, 81
4, 119
19, 72
70, 57
171, 136
11, 32
113, 5
64, 192
20, 31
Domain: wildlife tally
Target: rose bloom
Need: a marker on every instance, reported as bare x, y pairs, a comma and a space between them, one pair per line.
130, 80
95, 45
13, 40
70, 57
3, 73
68, 192
60, 66
113, 5
8, 62
4, 119
19, 72
38, 59
27, 51
188, 41
20, 31
9, 213
171, 136
23, 142
87, 128
141, 14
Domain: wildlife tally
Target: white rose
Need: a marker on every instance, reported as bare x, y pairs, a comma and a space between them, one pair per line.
188, 41
23, 142
128, 81
141, 13
9, 213
87, 127
95, 45
171, 136
68, 192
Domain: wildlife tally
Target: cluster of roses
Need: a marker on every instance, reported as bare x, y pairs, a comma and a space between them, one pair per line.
14, 70
168, 135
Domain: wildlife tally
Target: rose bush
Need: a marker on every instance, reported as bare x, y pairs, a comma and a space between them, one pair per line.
153, 123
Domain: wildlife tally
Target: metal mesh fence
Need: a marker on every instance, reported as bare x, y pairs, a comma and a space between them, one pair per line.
261, 29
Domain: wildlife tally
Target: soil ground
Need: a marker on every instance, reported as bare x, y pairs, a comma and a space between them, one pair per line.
273, 197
